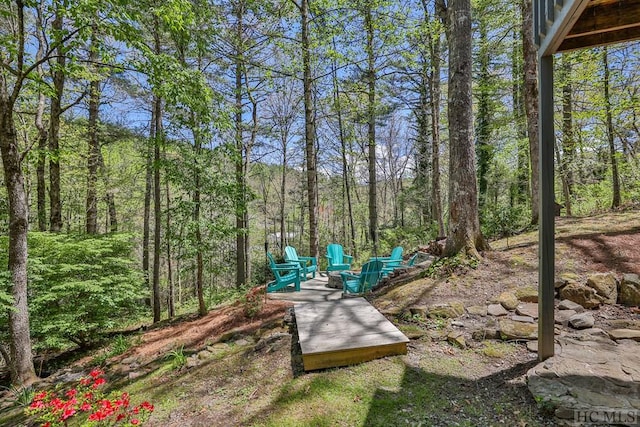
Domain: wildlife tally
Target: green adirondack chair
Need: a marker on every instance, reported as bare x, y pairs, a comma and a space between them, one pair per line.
336, 259
308, 264
367, 279
392, 261
285, 274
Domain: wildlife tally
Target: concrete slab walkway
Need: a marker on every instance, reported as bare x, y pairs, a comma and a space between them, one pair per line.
314, 290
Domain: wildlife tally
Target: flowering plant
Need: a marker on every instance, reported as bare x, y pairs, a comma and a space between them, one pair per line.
55, 410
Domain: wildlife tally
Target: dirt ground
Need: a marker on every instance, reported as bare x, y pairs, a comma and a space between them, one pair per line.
491, 383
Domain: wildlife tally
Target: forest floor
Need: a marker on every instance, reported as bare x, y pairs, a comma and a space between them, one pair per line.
238, 370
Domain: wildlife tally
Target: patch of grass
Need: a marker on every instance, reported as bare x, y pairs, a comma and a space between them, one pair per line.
177, 358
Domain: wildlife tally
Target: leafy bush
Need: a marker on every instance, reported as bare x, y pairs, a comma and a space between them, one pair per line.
79, 286
503, 221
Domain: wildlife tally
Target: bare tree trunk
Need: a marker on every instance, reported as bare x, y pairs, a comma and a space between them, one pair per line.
241, 226
483, 131
568, 144
112, 222
157, 211
464, 226
343, 155
531, 103
612, 148
21, 362
170, 297
435, 91
146, 232
41, 186
371, 127
55, 212
94, 144
521, 186
309, 132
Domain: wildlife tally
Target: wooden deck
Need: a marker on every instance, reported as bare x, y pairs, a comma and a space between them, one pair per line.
345, 332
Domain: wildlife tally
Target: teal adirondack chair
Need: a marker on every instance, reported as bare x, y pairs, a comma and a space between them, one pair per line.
337, 260
308, 264
353, 283
392, 261
410, 263
285, 274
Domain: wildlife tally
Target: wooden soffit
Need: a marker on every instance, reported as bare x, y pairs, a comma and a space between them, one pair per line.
603, 22
564, 25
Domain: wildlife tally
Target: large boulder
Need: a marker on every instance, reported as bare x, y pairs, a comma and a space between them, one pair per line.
508, 300
580, 294
630, 290
605, 285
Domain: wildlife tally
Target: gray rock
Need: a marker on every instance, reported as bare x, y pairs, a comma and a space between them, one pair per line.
605, 285
496, 310
523, 319
133, 375
270, 340
477, 310
508, 300
204, 355
570, 305
457, 324
192, 362
583, 295
630, 290
624, 334
528, 309
517, 330
562, 317
582, 321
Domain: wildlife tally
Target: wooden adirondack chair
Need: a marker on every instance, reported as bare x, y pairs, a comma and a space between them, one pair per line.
367, 279
308, 264
337, 260
285, 274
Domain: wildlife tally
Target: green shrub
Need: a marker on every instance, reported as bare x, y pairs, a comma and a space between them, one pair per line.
503, 221
79, 286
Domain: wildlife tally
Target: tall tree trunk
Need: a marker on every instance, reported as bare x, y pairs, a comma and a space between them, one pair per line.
157, 211
241, 227
55, 211
464, 225
612, 148
146, 227
521, 187
21, 364
483, 130
371, 127
435, 91
94, 144
283, 192
112, 222
202, 308
343, 156
568, 143
170, 297
309, 132
41, 186
530, 68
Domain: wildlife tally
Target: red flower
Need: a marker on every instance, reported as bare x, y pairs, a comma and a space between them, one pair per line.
71, 393
47, 424
40, 396
85, 381
37, 404
98, 382
96, 373
86, 406
67, 413
135, 421
147, 406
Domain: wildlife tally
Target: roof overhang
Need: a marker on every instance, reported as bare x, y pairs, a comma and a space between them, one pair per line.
575, 24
